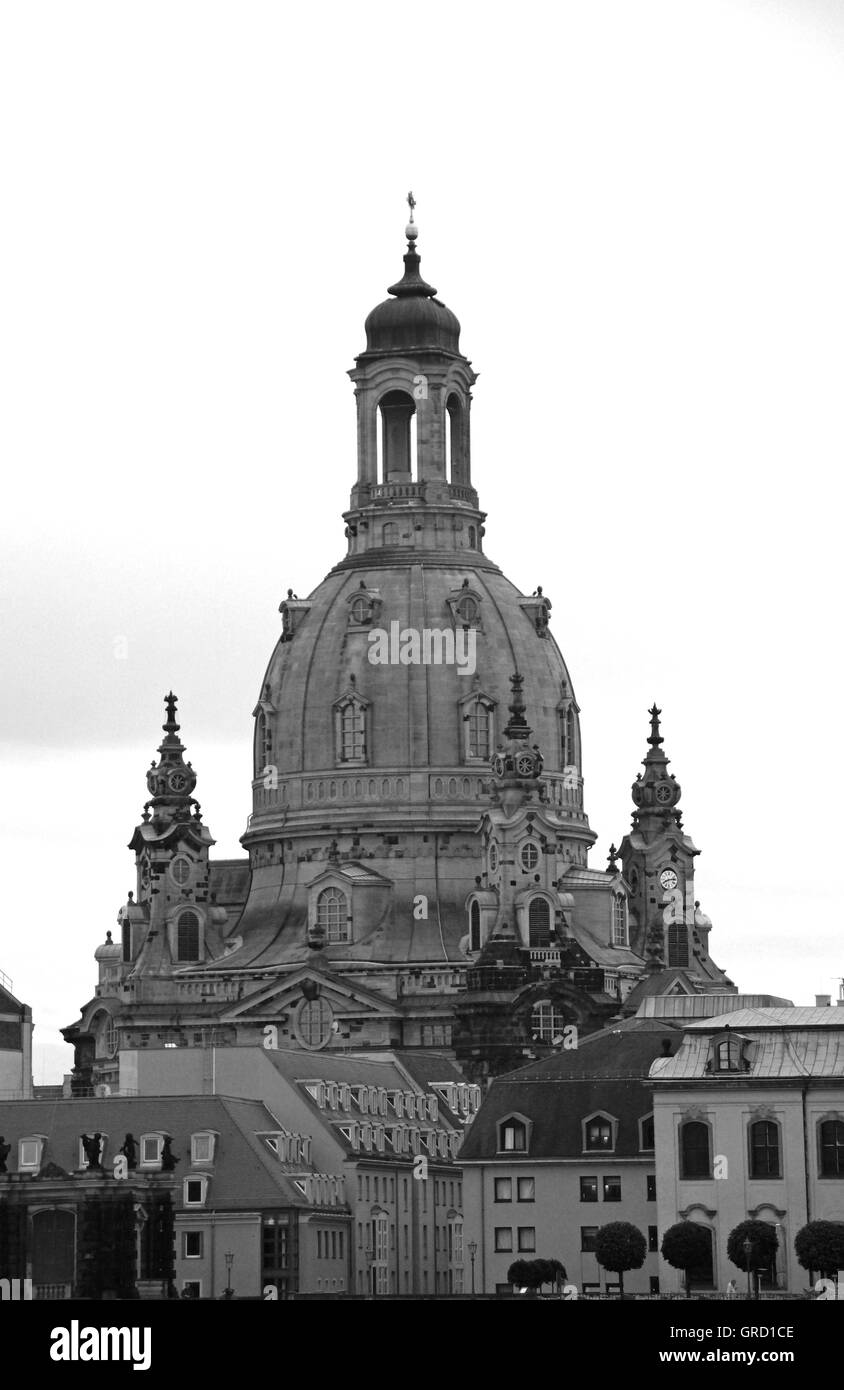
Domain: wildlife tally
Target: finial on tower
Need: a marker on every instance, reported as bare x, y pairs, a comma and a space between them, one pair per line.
171, 726
411, 231
655, 739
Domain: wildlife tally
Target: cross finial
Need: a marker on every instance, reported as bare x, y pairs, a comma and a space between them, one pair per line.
411, 203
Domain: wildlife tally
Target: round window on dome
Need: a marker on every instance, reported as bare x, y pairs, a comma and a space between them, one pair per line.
530, 856
468, 609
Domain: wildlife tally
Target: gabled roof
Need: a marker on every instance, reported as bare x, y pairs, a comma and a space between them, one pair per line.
771, 1054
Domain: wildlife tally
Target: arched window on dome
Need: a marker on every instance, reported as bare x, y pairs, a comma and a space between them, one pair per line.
456, 470
547, 1021
539, 923
390, 534
397, 436
350, 729
263, 743
475, 926
568, 737
333, 915
187, 937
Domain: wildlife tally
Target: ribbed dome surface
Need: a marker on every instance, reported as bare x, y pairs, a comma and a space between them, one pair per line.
412, 322
414, 717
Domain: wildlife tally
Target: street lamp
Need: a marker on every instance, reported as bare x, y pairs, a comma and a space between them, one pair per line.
472, 1247
229, 1257
747, 1247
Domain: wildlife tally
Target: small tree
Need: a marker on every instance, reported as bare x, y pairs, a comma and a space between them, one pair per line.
520, 1274
819, 1245
686, 1246
619, 1246
763, 1242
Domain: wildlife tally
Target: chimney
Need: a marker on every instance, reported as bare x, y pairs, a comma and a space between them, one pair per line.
823, 1001
666, 1047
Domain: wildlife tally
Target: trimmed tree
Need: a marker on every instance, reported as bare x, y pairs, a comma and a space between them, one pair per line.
686, 1246
763, 1241
620, 1246
819, 1245
520, 1274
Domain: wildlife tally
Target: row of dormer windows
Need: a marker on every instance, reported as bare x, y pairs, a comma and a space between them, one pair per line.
373, 1100
146, 1152
403, 1139
599, 1133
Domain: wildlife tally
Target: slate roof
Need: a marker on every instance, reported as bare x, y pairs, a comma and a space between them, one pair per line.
246, 1174
783, 1044
607, 1072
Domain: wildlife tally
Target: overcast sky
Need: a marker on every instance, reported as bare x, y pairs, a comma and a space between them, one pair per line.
637, 213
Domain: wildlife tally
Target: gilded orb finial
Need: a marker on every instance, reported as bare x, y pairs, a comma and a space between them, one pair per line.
411, 231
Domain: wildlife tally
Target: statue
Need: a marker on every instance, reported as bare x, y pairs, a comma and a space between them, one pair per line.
5, 1150
168, 1158
92, 1145
129, 1149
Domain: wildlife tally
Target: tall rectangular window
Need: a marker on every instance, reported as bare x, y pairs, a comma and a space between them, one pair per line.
588, 1189
587, 1238
503, 1238
612, 1189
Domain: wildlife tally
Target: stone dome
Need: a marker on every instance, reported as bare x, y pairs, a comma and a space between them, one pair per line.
416, 755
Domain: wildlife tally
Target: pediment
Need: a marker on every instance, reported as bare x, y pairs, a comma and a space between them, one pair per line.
285, 994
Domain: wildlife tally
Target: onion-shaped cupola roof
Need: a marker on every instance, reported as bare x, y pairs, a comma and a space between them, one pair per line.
658, 790
414, 318
171, 780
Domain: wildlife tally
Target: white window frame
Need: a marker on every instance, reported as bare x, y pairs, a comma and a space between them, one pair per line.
613, 1124
185, 1235
351, 700
143, 1161
202, 1179
210, 1137
339, 932
39, 1140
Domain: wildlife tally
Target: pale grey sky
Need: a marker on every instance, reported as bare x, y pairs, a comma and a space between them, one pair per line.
636, 212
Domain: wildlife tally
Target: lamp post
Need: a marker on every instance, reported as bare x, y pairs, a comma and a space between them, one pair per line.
747, 1247
229, 1257
472, 1247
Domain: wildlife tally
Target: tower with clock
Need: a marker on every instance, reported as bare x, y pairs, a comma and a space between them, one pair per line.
658, 865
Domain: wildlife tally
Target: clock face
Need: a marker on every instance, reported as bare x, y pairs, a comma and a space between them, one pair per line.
498, 765
524, 765
663, 794
178, 781
668, 879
